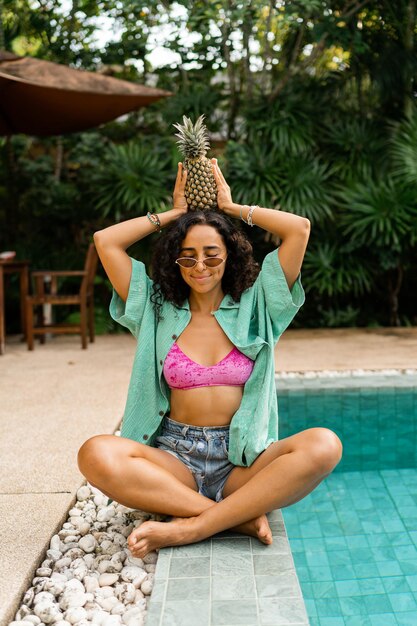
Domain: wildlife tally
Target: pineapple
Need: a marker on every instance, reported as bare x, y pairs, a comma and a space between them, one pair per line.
200, 189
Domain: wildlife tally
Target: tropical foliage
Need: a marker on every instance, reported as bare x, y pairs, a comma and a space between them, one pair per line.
311, 106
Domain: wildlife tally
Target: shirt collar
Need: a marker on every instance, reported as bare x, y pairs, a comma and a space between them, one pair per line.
226, 303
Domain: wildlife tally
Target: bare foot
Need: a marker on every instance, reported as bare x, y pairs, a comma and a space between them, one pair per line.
179, 531
258, 527
154, 535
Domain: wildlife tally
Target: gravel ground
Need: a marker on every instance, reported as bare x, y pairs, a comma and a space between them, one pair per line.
89, 575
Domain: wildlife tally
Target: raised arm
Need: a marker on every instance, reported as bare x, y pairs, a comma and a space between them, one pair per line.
293, 230
112, 242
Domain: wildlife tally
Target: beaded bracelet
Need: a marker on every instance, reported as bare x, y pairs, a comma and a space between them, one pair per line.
154, 219
249, 215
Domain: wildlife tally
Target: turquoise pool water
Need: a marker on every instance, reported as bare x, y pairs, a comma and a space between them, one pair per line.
354, 538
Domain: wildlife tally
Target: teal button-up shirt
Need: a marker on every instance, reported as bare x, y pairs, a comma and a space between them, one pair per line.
253, 325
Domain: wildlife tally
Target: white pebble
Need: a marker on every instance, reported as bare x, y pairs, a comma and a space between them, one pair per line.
107, 603
23, 612
89, 560
62, 622
55, 587
87, 543
47, 612
112, 620
132, 614
151, 557
55, 543
32, 619
118, 609
150, 568
29, 596
90, 583
103, 566
58, 577
44, 596
130, 572
146, 587
74, 585
108, 579
43, 571
53, 554
72, 599
75, 614
75, 553
125, 592
138, 580
67, 532
104, 592
62, 563
135, 560
70, 539
84, 528
100, 500
97, 616
118, 557
74, 512
83, 493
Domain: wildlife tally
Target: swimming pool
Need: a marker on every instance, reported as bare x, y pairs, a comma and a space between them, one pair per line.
354, 538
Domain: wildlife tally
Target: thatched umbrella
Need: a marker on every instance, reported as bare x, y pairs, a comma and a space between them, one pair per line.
43, 98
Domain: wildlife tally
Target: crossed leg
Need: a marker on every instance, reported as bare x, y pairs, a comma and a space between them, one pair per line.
153, 480
286, 472
150, 479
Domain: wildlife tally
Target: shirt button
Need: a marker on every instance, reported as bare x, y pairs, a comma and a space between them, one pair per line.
160, 362
161, 413
145, 437
174, 336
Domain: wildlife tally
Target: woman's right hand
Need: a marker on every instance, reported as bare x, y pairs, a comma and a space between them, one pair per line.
180, 203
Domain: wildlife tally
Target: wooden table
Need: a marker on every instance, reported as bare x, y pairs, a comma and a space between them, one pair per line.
13, 266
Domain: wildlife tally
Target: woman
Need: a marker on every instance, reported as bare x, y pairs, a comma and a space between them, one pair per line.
199, 438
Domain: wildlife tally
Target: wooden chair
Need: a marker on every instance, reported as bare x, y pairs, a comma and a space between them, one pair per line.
84, 299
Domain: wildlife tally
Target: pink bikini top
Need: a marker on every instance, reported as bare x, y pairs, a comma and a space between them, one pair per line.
181, 372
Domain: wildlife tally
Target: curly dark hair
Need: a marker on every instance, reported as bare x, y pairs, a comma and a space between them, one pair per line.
241, 268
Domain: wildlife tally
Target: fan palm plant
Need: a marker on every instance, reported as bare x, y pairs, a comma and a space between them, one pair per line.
284, 124
252, 171
356, 147
133, 179
379, 212
404, 150
381, 216
305, 187
332, 269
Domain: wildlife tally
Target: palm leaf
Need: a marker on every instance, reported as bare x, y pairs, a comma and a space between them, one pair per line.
331, 269
379, 212
133, 180
404, 149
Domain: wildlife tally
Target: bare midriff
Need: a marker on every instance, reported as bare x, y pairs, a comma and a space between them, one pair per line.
205, 406
205, 342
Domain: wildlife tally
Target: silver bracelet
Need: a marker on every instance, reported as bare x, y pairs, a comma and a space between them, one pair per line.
249, 216
241, 216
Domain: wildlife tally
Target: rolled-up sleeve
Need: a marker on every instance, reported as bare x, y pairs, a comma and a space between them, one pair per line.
281, 304
130, 313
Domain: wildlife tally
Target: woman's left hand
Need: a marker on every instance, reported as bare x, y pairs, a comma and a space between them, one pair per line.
224, 196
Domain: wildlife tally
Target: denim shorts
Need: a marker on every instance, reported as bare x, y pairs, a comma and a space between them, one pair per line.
203, 449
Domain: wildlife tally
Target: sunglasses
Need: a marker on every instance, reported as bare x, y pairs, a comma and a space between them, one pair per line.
209, 261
